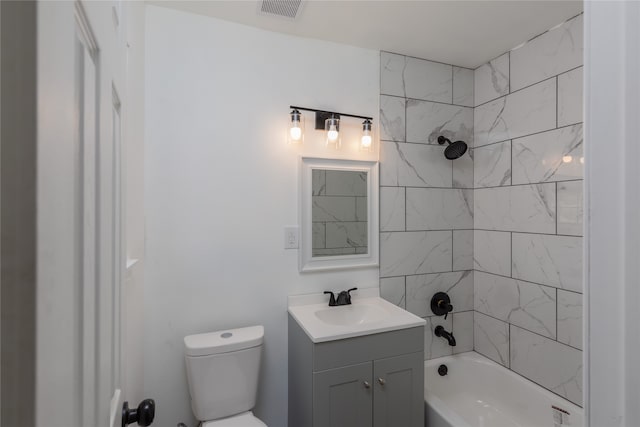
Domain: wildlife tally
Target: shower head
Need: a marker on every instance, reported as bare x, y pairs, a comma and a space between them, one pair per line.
455, 150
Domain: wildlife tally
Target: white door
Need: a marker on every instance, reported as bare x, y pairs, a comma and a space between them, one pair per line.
81, 74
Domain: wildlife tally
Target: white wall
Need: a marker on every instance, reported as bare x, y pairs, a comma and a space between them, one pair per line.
221, 183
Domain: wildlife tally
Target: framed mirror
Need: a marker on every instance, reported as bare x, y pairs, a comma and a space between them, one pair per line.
338, 214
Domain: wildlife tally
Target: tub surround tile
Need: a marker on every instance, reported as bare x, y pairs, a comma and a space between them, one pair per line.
333, 208
492, 165
318, 232
548, 156
549, 363
463, 249
318, 182
421, 288
463, 86
439, 209
492, 252
361, 209
570, 97
550, 260
415, 252
413, 165
428, 80
463, 170
434, 346
346, 234
463, 331
392, 204
345, 183
392, 116
518, 114
392, 68
554, 52
570, 207
524, 304
491, 80
527, 208
428, 120
570, 318
491, 338
393, 290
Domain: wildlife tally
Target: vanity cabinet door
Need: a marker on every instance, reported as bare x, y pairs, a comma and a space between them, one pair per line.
342, 397
398, 398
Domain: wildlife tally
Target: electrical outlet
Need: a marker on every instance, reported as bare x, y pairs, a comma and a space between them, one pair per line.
291, 237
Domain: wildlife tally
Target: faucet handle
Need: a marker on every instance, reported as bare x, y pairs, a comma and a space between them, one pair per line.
332, 298
441, 304
349, 294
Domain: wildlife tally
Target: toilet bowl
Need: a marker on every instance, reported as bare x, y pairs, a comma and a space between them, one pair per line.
222, 371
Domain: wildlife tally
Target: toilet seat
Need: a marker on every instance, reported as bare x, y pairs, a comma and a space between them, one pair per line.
246, 419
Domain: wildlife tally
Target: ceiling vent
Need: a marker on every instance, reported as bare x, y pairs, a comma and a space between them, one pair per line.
288, 9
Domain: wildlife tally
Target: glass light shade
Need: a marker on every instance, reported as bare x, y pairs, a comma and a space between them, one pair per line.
367, 137
332, 127
295, 133
567, 159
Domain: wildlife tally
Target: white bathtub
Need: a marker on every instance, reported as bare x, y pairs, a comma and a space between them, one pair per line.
477, 392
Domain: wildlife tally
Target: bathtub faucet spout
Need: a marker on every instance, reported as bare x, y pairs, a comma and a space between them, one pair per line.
440, 332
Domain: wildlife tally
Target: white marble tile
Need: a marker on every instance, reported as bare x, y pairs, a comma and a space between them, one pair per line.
548, 156
421, 288
528, 208
346, 234
491, 80
570, 318
345, 183
570, 207
439, 208
426, 121
463, 86
523, 304
549, 363
492, 252
415, 252
392, 115
428, 80
392, 68
361, 208
392, 289
318, 235
492, 165
462, 249
415, 165
570, 97
547, 55
434, 346
521, 113
463, 170
491, 338
333, 208
550, 260
318, 182
333, 251
392, 209
463, 331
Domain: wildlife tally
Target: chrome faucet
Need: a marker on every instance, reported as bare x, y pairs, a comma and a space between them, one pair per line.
440, 332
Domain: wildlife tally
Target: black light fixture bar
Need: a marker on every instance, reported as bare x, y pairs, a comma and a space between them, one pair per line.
293, 107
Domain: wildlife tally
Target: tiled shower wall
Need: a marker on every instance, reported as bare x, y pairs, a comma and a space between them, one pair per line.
426, 201
514, 269
528, 210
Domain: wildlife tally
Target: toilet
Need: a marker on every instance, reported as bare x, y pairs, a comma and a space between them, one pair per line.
222, 371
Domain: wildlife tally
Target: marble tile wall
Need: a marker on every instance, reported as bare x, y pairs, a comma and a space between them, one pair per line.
426, 201
527, 243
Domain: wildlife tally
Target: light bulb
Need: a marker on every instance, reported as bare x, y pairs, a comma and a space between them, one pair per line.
295, 132
366, 141
582, 160
332, 134
567, 159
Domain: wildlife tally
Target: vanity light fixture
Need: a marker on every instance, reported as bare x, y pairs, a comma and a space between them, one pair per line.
567, 159
329, 121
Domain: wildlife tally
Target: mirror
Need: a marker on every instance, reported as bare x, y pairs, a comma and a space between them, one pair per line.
339, 213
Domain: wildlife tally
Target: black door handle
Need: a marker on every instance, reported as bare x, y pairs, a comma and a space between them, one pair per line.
143, 414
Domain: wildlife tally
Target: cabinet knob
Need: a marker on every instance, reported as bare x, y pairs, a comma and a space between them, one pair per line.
381, 381
367, 385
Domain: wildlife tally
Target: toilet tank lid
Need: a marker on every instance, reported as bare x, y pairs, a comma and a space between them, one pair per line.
223, 341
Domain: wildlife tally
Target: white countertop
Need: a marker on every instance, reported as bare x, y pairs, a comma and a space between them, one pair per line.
367, 314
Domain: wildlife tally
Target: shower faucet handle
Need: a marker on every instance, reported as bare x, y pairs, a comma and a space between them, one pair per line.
441, 304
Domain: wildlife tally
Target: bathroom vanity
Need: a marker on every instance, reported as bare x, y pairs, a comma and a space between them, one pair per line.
362, 367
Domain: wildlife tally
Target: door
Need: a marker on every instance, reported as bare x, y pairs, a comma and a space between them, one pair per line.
399, 391
81, 57
342, 397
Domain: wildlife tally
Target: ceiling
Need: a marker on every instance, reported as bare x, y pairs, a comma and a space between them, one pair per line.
463, 33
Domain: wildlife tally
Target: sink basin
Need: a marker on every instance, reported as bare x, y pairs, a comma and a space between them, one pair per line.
351, 314
367, 314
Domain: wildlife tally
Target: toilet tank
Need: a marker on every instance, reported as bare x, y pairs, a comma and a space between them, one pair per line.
222, 370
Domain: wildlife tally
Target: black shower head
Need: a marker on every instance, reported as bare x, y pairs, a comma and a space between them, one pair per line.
455, 150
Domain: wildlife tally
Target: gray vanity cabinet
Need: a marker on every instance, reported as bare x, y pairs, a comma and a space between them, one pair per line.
373, 380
